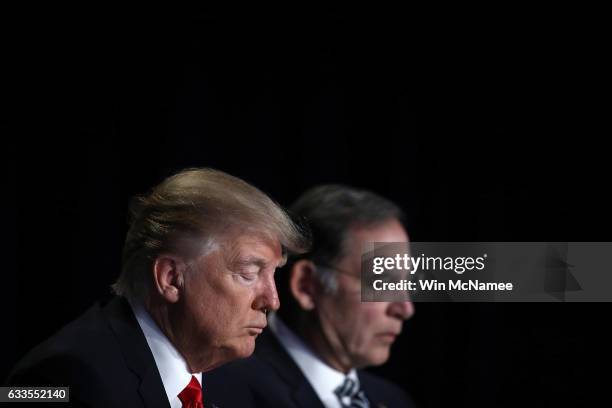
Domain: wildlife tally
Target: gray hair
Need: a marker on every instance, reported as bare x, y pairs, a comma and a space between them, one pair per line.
331, 211
187, 213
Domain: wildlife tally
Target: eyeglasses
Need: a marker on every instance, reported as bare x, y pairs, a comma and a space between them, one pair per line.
336, 269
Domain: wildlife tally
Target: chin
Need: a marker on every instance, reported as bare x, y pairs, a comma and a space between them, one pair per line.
377, 357
245, 349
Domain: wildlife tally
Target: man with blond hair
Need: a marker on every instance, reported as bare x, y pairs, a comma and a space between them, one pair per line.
196, 284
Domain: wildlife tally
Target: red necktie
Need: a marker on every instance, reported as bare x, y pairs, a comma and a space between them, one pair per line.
191, 396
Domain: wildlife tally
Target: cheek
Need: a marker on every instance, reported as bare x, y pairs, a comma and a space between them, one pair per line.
214, 311
233, 313
230, 299
367, 326
352, 321
229, 311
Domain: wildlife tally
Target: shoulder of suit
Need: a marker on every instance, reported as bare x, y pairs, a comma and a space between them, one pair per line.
70, 352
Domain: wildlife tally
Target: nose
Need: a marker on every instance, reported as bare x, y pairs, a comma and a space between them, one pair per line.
268, 297
401, 310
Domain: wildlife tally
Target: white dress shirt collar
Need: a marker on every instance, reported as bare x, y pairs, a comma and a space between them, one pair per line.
170, 363
323, 378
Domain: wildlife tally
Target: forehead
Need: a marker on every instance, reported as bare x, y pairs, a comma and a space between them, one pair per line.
251, 247
357, 237
387, 231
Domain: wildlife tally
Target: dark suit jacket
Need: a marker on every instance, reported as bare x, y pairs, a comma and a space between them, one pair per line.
102, 356
270, 379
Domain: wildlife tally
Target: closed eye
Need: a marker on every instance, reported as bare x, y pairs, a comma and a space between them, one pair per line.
247, 276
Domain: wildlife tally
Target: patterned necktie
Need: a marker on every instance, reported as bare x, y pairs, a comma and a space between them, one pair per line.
350, 396
191, 396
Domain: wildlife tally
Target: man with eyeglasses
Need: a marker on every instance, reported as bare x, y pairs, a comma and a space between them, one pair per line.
323, 335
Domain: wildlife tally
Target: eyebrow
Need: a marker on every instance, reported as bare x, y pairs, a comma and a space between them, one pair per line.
260, 262
251, 260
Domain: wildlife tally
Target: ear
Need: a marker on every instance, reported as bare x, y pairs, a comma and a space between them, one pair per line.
168, 276
303, 284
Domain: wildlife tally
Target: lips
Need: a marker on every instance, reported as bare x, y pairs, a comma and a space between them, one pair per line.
389, 335
256, 328
253, 331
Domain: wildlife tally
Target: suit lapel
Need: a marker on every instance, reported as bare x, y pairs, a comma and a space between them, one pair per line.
376, 399
271, 351
305, 396
152, 390
136, 352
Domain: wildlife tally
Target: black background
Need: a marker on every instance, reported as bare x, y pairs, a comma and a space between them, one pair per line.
482, 129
